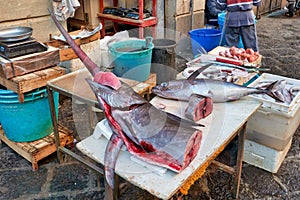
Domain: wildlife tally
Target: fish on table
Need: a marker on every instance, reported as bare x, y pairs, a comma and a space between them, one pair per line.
148, 133
152, 135
219, 91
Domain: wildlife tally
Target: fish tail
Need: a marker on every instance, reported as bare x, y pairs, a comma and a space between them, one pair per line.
272, 92
110, 158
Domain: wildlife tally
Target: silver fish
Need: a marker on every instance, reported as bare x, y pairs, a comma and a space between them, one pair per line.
219, 91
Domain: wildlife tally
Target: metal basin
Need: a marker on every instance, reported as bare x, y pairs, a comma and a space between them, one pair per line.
13, 34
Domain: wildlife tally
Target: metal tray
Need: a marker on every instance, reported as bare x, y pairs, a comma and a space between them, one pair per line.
13, 34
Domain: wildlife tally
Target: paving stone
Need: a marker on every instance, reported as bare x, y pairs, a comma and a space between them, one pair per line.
69, 177
17, 182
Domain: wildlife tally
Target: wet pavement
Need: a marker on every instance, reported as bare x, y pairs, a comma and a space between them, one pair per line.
279, 44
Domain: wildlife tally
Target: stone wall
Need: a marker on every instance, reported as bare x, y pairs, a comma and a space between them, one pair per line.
32, 13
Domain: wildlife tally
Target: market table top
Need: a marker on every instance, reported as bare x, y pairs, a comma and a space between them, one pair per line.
220, 127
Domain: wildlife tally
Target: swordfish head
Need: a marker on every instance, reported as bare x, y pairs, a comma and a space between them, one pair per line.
124, 97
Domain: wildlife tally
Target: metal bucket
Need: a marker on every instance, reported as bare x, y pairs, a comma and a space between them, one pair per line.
163, 60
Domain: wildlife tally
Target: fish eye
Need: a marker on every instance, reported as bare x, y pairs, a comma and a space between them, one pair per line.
164, 84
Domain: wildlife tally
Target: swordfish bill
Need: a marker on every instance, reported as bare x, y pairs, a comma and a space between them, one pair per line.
106, 78
148, 133
93, 68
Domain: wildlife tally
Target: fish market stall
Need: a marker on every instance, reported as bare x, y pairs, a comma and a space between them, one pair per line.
164, 183
158, 181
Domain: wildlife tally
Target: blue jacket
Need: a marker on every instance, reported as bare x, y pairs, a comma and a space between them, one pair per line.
239, 12
211, 8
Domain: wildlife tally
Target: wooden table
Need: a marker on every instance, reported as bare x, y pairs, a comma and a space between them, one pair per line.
226, 121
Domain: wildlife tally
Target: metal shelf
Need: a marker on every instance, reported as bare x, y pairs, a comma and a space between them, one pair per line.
141, 22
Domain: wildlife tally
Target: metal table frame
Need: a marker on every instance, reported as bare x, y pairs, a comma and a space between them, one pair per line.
60, 150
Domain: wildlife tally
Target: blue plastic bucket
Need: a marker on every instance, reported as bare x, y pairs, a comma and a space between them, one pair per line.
28, 121
207, 38
130, 62
221, 21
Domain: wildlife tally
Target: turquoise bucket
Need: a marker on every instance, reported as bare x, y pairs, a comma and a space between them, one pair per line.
28, 121
129, 63
207, 38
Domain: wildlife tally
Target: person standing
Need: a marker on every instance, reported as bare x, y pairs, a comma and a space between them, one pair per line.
240, 22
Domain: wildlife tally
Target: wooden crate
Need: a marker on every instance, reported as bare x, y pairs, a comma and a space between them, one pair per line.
31, 81
144, 88
39, 149
22, 65
65, 51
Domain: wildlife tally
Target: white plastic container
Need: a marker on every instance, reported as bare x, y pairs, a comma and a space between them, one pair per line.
274, 124
264, 157
273, 128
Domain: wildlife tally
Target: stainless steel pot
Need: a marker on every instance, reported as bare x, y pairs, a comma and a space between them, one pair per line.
13, 34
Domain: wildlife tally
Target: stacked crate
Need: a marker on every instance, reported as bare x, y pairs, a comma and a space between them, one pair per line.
271, 128
180, 16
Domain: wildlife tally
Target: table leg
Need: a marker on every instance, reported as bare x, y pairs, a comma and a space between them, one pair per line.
239, 161
141, 32
108, 192
154, 31
116, 189
54, 122
115, 193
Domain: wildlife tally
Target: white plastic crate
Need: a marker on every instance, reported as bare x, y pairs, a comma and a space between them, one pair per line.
264, 157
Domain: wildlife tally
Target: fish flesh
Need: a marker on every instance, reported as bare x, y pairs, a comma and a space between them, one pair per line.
199, 107
219, 91
150, 134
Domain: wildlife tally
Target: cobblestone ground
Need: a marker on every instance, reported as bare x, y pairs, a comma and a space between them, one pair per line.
280, 46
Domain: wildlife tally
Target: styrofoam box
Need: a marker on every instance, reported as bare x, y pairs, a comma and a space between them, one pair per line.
273, 128
274, 124
264, 157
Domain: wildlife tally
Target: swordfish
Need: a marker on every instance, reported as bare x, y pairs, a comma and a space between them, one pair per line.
218, 91
150, 134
